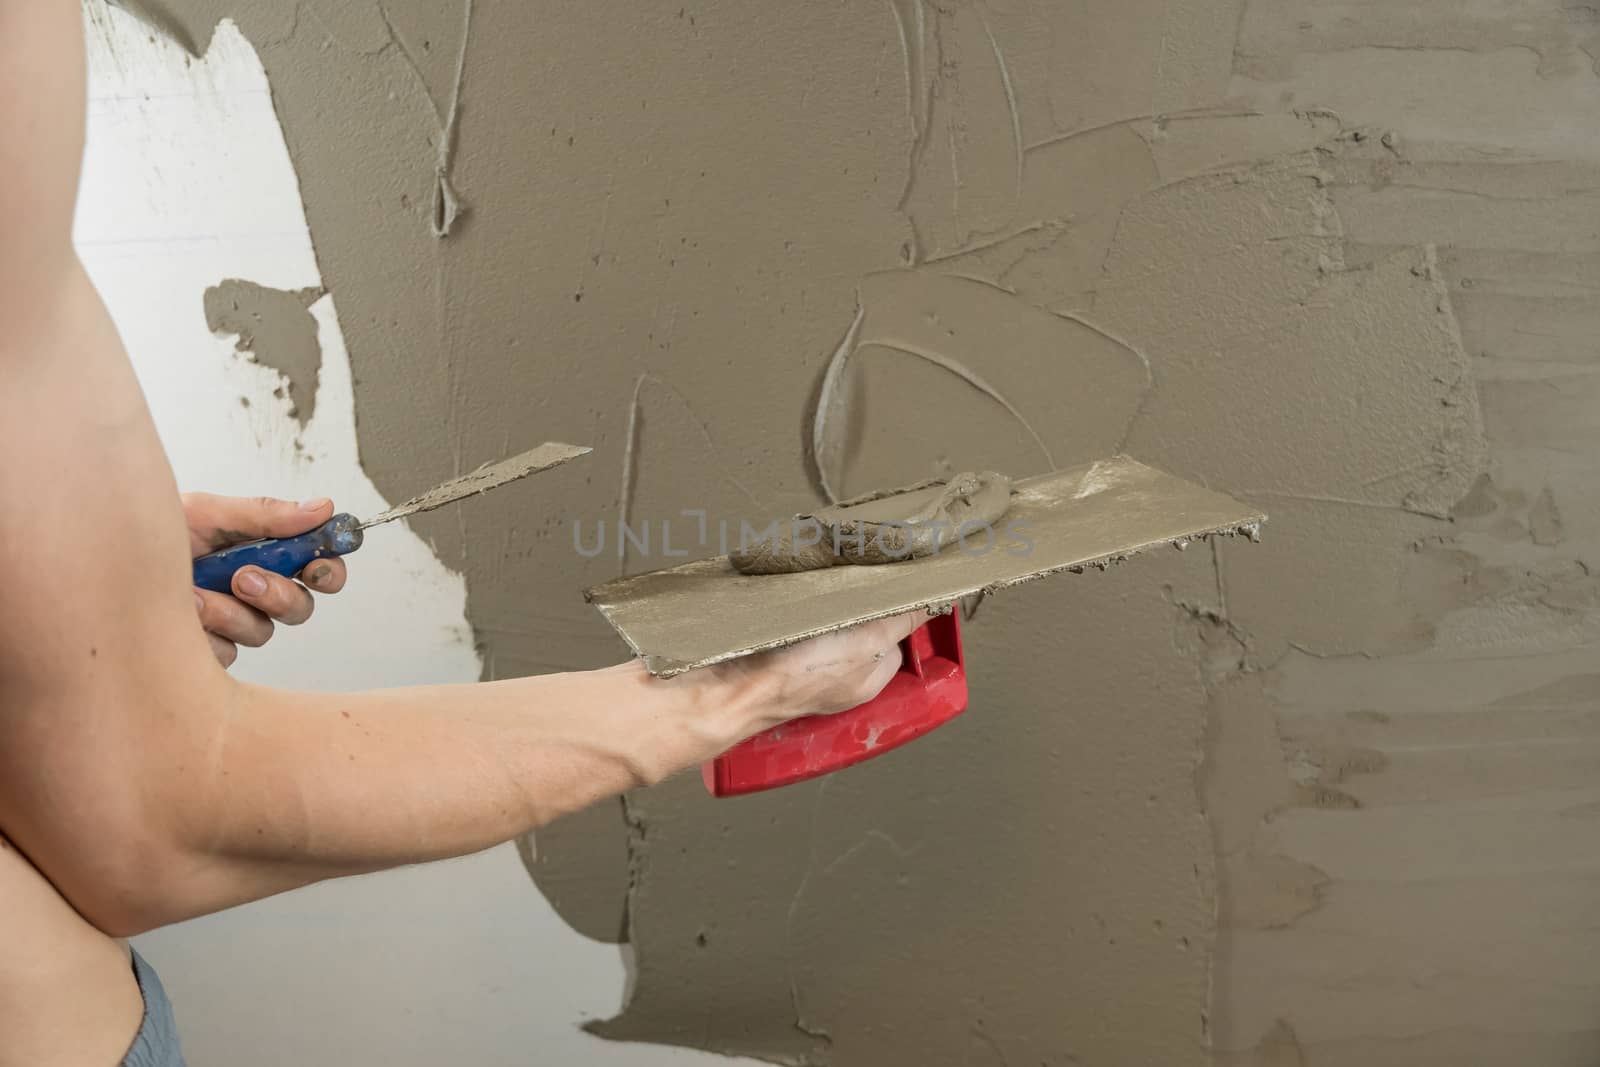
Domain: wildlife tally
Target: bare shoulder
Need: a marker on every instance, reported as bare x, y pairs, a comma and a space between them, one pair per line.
79, 456
66, 990
93, 537
42, 101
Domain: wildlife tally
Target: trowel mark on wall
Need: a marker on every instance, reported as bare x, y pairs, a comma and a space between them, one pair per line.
832, 410
960, 325
964, 172
911, 21
635, 425
833, 402
447, 204
1278, 1048
275, 328
1235, 283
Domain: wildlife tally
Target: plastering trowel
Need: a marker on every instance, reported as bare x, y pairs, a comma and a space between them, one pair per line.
706, 612
342, 534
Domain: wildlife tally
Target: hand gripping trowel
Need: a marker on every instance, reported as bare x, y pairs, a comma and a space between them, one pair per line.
706, 612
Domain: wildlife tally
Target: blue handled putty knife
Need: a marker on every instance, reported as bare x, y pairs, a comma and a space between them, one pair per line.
342, 534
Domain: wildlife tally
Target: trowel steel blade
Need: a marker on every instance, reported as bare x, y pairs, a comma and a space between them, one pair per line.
706, 612
492, 476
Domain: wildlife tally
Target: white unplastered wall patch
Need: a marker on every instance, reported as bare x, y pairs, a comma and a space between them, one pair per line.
187, 182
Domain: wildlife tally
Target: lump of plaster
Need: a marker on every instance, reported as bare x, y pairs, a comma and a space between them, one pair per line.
275, 328
891, 527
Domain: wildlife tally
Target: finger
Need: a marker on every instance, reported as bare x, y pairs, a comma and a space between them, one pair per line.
894, 629
233, 620
225, 651
854, 646
273, 595
227, 520
325, 575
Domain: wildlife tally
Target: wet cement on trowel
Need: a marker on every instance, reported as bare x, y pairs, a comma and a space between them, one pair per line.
886, 526
1090, 516
276, 329
1324, 800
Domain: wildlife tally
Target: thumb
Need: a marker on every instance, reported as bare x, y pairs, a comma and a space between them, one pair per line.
219, 521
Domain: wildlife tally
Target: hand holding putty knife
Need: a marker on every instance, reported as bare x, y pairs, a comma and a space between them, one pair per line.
343, 533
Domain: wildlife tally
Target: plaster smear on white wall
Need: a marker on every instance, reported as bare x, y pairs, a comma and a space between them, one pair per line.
187, 182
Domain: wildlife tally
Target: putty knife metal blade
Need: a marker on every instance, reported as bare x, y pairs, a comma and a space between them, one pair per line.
706, 612
492, 476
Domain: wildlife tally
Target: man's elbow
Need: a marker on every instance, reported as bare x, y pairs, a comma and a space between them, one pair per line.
120, 911
123, 884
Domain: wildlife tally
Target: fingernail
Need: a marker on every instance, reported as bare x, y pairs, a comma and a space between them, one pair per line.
319, 575
199, 602
252, 584
315, 505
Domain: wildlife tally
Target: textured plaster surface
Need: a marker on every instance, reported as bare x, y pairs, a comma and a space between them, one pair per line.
1325, 800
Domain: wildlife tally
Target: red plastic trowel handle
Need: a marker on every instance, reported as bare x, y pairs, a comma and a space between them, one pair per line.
930, 689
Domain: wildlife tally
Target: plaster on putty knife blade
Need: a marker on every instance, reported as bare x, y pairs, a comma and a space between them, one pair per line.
706, 612
485, 478
342, 534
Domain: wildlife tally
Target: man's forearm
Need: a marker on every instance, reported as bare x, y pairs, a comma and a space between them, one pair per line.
295, 787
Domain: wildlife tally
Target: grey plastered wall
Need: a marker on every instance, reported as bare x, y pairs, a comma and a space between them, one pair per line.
1324, 800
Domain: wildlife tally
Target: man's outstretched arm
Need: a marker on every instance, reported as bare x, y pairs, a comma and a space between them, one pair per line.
137, 776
